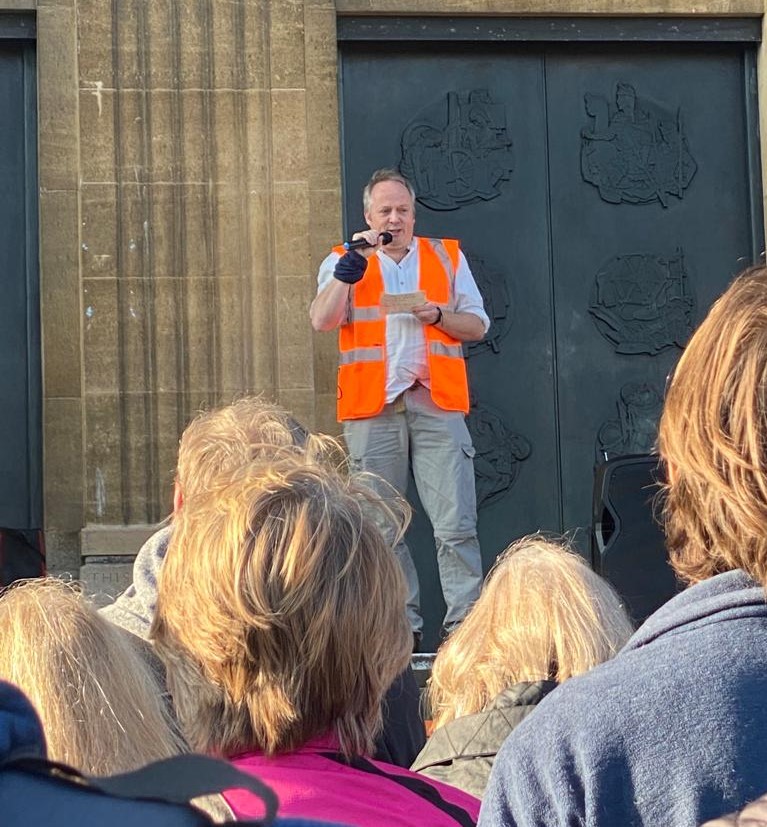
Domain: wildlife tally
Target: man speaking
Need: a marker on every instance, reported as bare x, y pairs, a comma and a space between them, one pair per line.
403, 305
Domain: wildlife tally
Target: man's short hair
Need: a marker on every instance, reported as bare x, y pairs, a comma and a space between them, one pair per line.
281, 611
378, 177
221, 440
713, 437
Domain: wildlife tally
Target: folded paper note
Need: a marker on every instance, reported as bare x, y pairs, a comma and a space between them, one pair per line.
402, 302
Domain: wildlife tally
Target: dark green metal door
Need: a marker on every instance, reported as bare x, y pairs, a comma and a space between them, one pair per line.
605, 194
20, 418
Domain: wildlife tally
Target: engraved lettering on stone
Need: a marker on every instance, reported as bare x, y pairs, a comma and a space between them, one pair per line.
635, 430
499, 452
635, 151
458, 153
495, 296
641, 303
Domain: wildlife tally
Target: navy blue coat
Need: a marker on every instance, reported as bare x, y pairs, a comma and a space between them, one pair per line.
673, 730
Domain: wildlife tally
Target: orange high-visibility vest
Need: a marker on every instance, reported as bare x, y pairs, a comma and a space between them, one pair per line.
362, 340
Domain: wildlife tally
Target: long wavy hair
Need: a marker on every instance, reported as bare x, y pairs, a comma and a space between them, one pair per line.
543, 615
713, 438
101, 707
281, 611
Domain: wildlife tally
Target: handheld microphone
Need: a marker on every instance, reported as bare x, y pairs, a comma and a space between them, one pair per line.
386, 238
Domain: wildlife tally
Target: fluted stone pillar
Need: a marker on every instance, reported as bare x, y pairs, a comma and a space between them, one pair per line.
196, 193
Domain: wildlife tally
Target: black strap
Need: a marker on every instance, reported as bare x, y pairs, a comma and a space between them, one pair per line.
174, 780
184, 777
43, 766
420, 787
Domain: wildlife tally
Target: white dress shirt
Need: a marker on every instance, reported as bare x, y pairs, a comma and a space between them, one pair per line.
406, 359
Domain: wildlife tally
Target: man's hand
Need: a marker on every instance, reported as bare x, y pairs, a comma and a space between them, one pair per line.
466, 327
428, 313
350, 267
373, 238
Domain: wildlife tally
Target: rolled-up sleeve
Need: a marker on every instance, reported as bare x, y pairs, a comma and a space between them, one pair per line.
326, 271
468, 299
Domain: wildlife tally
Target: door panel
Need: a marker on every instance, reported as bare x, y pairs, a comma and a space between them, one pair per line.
20, 449
645, 271
505, 238
604, 198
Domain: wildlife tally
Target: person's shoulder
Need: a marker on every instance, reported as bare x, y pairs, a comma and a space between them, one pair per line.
446, 743
157, 543
446, 240
573, 710
449, 792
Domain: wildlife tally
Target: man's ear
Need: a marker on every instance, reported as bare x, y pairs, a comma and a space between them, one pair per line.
178, 497
367, 221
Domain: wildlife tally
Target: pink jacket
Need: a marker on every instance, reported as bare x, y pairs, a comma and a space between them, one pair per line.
310, 785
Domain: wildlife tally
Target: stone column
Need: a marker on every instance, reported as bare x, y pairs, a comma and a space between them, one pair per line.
207, 172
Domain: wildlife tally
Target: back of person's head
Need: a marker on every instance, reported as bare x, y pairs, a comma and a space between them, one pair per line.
713, 438
220, 441
543, 615
281, 611
100, 705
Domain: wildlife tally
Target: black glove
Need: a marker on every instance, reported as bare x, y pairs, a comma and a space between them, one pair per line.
351, 267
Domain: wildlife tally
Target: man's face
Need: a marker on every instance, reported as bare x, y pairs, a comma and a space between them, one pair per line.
625, 102
392, 209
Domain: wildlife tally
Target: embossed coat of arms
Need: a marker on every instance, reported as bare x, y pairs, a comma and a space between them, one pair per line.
459, 153
641, 303
634, 151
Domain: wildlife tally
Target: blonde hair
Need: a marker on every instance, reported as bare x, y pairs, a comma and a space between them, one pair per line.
100, 705
219, 441
543, 614
281, 611
713, 437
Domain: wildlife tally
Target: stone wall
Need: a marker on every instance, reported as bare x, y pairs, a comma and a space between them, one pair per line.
189, 186
178, 226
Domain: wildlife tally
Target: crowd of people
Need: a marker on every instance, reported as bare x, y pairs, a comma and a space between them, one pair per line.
268, 625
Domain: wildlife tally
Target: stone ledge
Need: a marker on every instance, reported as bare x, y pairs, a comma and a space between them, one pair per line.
114, 540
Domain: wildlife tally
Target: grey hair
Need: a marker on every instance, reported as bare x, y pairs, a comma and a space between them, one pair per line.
378, 177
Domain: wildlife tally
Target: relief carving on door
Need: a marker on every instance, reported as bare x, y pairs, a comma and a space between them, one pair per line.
458, 152
495, 297
641, 303
635, 430
498, 452
635, 151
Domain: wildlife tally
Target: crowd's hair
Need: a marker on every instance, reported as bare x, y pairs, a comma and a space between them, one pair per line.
219, 441
713, 438
101, 707
378, 177
543, 615
281, 611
